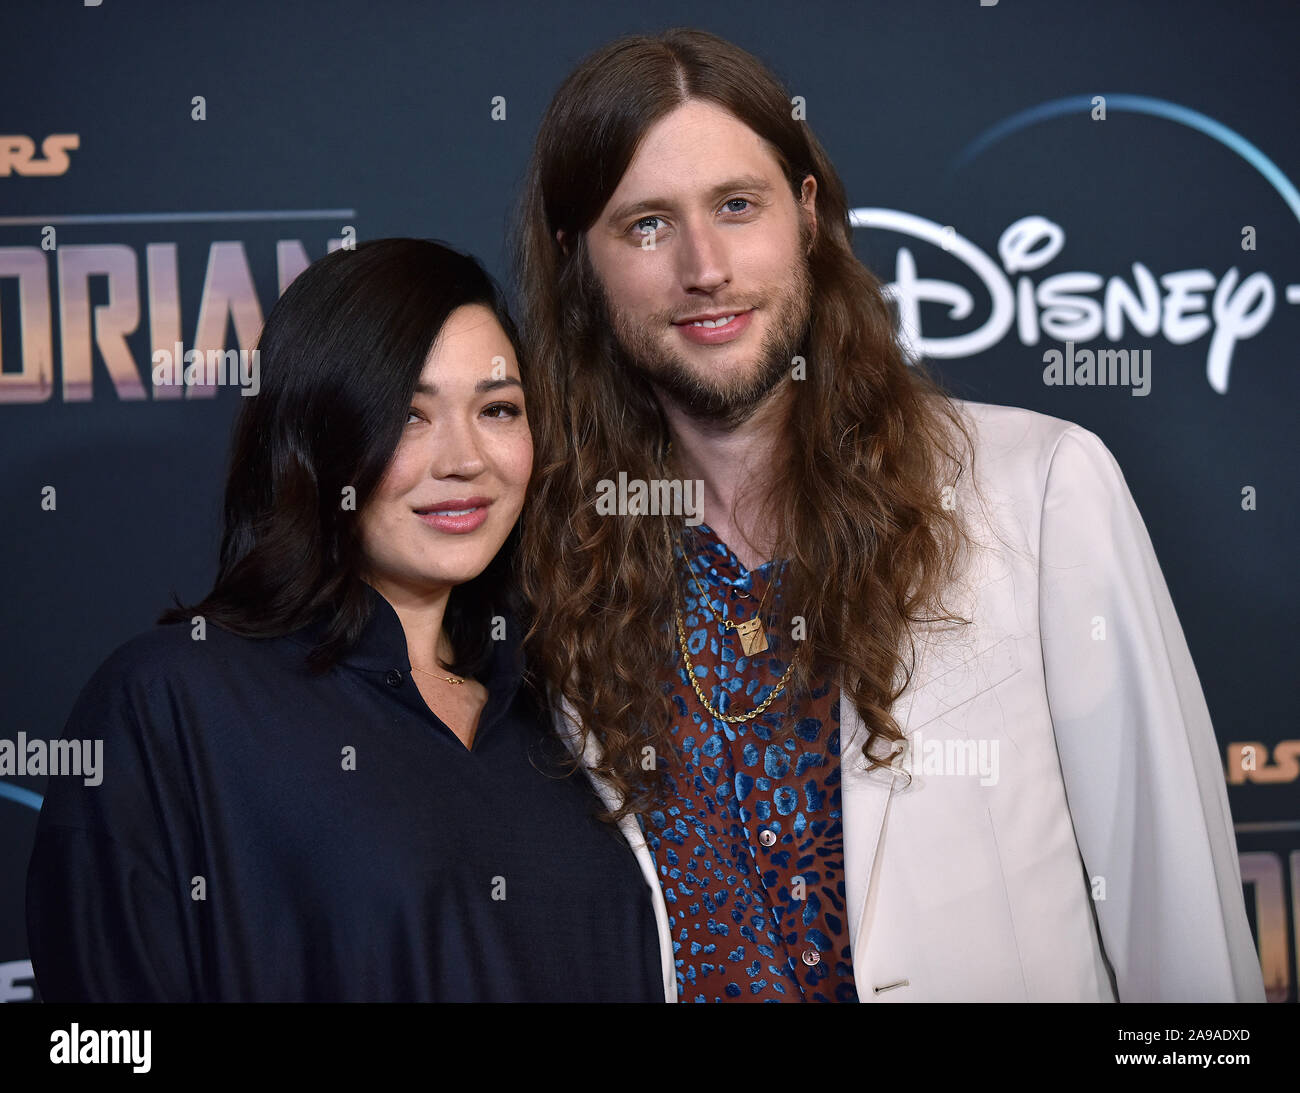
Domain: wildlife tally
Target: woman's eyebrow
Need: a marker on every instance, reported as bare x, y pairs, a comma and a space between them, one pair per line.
479, 388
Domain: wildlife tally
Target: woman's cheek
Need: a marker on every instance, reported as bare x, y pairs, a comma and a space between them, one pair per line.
514, 459
526, 459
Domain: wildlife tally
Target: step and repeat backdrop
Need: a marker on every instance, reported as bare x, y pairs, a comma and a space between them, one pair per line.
1090, 210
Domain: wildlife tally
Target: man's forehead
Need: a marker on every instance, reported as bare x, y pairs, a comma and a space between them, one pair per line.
701, 144
689, 158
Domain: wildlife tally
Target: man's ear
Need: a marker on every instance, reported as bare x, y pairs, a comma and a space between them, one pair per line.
808, 199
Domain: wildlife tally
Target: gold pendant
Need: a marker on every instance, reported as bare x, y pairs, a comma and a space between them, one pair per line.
753, 638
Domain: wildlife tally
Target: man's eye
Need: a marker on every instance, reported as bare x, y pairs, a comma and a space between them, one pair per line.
637, 227
740, 201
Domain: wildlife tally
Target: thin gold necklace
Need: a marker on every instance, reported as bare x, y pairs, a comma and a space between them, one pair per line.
454, 680
753, 638
731, 719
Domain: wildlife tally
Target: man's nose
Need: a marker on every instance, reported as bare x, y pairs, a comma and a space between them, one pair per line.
705, 264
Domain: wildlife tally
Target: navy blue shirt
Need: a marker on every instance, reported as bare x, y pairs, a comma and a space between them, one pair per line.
263, 834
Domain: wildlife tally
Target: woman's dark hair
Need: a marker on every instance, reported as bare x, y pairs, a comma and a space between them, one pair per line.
340, 355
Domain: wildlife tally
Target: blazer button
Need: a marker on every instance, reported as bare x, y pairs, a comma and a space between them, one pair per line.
811, 957
394, 677
767, 837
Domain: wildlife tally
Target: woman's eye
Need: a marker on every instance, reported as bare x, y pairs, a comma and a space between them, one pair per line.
637, 227
411, 414
500, 409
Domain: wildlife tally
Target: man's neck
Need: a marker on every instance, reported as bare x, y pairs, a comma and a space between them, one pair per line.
735, 464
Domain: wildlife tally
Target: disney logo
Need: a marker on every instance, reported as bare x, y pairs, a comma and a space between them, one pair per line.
1181, 306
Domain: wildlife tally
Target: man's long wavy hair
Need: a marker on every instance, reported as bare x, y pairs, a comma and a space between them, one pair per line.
861, 517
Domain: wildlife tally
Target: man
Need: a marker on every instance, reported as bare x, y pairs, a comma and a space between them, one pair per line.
908, 716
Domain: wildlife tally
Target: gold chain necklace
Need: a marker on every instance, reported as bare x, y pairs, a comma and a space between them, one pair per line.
455, 680
753, 638
731, 719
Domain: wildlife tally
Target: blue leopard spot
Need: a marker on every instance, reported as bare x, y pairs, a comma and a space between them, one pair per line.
808, 729
807, 761
812, 909
813, 797
775, 762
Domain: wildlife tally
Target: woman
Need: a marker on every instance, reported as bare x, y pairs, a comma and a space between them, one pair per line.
328, 780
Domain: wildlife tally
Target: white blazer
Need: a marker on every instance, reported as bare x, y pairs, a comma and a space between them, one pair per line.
1094, 859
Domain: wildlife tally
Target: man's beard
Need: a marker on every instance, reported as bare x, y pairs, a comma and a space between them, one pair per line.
700, 396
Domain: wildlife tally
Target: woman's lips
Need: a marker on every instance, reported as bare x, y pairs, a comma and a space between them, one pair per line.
457, 521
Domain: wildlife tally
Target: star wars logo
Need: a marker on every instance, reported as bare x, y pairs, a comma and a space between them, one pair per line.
1249, 762
17, 152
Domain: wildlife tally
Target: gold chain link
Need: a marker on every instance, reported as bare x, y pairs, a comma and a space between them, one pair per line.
733, 719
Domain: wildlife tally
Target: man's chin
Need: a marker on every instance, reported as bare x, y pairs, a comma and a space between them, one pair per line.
706, 400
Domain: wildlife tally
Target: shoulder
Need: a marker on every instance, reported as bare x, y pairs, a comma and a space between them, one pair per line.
137, 718
1028, 467
158, 671
1018, 450
1013, 433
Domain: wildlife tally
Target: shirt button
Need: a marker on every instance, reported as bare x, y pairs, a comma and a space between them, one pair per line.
767, 837
811, 957
394, 677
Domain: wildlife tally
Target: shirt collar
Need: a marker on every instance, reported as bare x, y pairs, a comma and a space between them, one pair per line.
714, 564
382, 646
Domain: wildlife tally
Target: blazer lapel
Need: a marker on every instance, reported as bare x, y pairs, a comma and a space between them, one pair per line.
864, 802
954, 663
